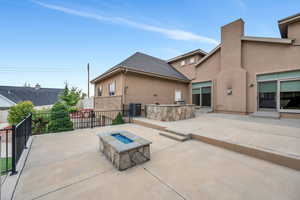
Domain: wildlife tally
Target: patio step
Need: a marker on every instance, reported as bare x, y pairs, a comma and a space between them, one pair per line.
265, 114
173, 136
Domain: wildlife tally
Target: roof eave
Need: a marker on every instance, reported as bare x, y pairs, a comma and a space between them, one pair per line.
267, 40
283, 24
198, 51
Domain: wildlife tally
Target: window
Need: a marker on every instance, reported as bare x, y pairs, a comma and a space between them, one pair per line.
182, 62
267, 92
196, 96
178, 95
100, 91
192, 60
290, 95
111, 89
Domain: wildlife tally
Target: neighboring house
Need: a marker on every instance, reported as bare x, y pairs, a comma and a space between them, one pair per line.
40, 97
140, 79
241, 75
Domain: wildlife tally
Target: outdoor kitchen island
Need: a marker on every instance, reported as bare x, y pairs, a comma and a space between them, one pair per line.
124, 149
170, 112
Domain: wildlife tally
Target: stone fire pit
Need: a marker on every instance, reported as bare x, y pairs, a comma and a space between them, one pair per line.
124, 149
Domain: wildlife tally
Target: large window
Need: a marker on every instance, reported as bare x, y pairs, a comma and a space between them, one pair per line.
290, 95
267, 92
111, 89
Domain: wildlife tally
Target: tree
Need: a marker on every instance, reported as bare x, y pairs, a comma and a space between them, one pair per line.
59, 118
18, 112
118, 120
70, 97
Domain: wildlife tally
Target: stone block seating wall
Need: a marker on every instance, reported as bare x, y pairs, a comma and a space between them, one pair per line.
170, 112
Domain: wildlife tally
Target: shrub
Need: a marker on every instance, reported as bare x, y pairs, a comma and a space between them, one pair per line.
40, 120
18, 112
118, 120
59, 118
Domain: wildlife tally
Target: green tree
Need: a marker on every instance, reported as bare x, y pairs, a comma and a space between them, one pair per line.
70, 97
118, 120
18, 112
40, 120
59, 118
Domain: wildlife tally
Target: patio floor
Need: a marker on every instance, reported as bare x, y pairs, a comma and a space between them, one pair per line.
277, 135
68, 166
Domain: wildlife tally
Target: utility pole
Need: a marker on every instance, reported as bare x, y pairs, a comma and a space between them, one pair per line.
88, 71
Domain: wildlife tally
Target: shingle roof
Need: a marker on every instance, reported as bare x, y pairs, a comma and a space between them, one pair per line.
145, 63
39, 97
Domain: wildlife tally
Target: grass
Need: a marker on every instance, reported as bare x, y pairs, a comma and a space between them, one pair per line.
3, 165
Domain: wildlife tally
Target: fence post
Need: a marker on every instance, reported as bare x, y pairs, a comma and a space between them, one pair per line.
13, 150
92, 118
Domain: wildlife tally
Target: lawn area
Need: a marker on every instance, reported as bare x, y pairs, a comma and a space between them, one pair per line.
3, 165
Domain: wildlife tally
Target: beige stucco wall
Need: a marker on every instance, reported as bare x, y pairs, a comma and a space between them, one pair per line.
238, 62
189, 68
260, 57
148, 90
294, 32
118, 79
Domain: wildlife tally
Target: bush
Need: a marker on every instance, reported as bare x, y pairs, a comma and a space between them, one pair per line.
40, 120
59, 118
18, 112
118, 120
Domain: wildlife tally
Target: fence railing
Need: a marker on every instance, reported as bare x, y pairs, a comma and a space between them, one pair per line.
45, 122
15, 139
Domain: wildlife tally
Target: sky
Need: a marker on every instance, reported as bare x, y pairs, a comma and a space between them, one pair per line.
50, 42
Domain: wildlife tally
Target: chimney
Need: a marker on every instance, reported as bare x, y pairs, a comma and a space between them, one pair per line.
37, 86
231, 52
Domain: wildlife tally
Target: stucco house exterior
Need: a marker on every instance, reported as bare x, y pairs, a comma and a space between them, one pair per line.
140, 79
241, 75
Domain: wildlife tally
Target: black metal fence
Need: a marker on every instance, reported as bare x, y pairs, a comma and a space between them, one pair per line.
15, 139
42, 122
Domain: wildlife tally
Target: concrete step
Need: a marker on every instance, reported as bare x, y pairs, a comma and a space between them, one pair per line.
174, 136
176, 133
266, 114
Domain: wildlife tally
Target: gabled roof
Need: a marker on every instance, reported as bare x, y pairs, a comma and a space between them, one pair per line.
140, 62
39, 97
194, 52
283, 24
208, 55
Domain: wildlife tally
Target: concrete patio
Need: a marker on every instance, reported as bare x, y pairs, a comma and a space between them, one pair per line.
277, 135
68, 166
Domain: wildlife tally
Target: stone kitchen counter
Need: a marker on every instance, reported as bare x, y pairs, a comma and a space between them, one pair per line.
170, 112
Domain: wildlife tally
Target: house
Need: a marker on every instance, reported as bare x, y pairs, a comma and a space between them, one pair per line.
40, 97
251, 74
141, 79
241, 75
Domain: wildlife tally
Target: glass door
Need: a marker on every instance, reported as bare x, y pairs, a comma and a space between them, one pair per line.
267, 95
206, 96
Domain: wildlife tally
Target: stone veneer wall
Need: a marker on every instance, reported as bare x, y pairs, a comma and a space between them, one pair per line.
171, 112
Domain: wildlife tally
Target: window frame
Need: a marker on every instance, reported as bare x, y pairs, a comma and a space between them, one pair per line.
100, 90
176, 92
190, 60
110, 93
278, 96
182, 62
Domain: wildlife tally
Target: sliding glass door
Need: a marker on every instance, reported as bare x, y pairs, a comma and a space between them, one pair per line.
202, 94
206, 96
267, 95
290, 95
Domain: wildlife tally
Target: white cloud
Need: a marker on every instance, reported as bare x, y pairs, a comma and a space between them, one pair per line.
175, 34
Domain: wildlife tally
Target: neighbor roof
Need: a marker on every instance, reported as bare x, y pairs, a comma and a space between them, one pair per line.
194, 52
39, 97
283, 24
140, 62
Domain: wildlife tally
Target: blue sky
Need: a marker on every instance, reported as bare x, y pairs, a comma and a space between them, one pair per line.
51, 41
